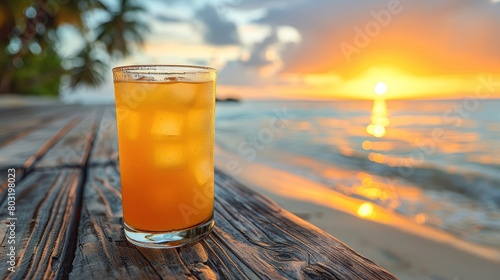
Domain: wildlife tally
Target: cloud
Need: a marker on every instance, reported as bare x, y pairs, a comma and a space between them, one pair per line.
258, 56
425, 37
262, 66
237, 73
216, 30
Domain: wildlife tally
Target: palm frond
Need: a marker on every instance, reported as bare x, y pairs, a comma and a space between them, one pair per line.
123, 30
88, 70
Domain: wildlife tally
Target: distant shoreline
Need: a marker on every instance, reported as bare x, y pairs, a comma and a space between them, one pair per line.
228, 99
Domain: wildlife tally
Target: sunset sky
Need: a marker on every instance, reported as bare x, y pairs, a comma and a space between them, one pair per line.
305, 49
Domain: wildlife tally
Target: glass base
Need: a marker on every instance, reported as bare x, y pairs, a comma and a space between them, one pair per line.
169, 239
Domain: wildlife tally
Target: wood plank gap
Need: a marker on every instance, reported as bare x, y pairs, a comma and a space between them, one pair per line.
71, 236
73, 148
45, 254
42, 223
28, 166
19, 121
150, 264
26, 131
30, 163
103, 164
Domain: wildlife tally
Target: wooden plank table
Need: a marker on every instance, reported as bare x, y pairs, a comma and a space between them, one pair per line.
68, 214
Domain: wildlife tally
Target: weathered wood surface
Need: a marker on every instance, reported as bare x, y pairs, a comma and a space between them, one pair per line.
73, 149
23, 152
15, 123
106, 150
68, 205
44, 211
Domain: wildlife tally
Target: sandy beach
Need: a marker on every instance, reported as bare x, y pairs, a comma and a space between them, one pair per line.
405, 248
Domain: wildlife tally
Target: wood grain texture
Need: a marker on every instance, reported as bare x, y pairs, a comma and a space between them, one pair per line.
73, 149
254, 239
44, 210
25, 151
106, 148
18, 122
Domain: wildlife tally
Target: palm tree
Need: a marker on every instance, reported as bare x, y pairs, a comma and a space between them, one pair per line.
24, 40
87, 68
122, 28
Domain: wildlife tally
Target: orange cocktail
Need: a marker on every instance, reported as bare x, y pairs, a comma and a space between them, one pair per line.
165, 118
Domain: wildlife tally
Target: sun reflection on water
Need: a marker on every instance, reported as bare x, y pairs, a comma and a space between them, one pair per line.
379, 119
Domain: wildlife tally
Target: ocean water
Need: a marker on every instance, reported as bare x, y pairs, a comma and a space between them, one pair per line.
435, 162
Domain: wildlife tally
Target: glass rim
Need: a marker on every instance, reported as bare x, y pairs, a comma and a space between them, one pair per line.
156, 68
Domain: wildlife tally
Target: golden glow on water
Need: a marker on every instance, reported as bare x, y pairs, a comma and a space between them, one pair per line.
371, 189
367, 145
421, 218
379, 119
376, 157
298, 193
346, 151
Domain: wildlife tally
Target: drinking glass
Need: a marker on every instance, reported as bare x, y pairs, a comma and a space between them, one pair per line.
165, 119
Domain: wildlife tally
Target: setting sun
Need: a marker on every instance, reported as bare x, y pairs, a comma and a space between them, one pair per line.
365, 210
380, 88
